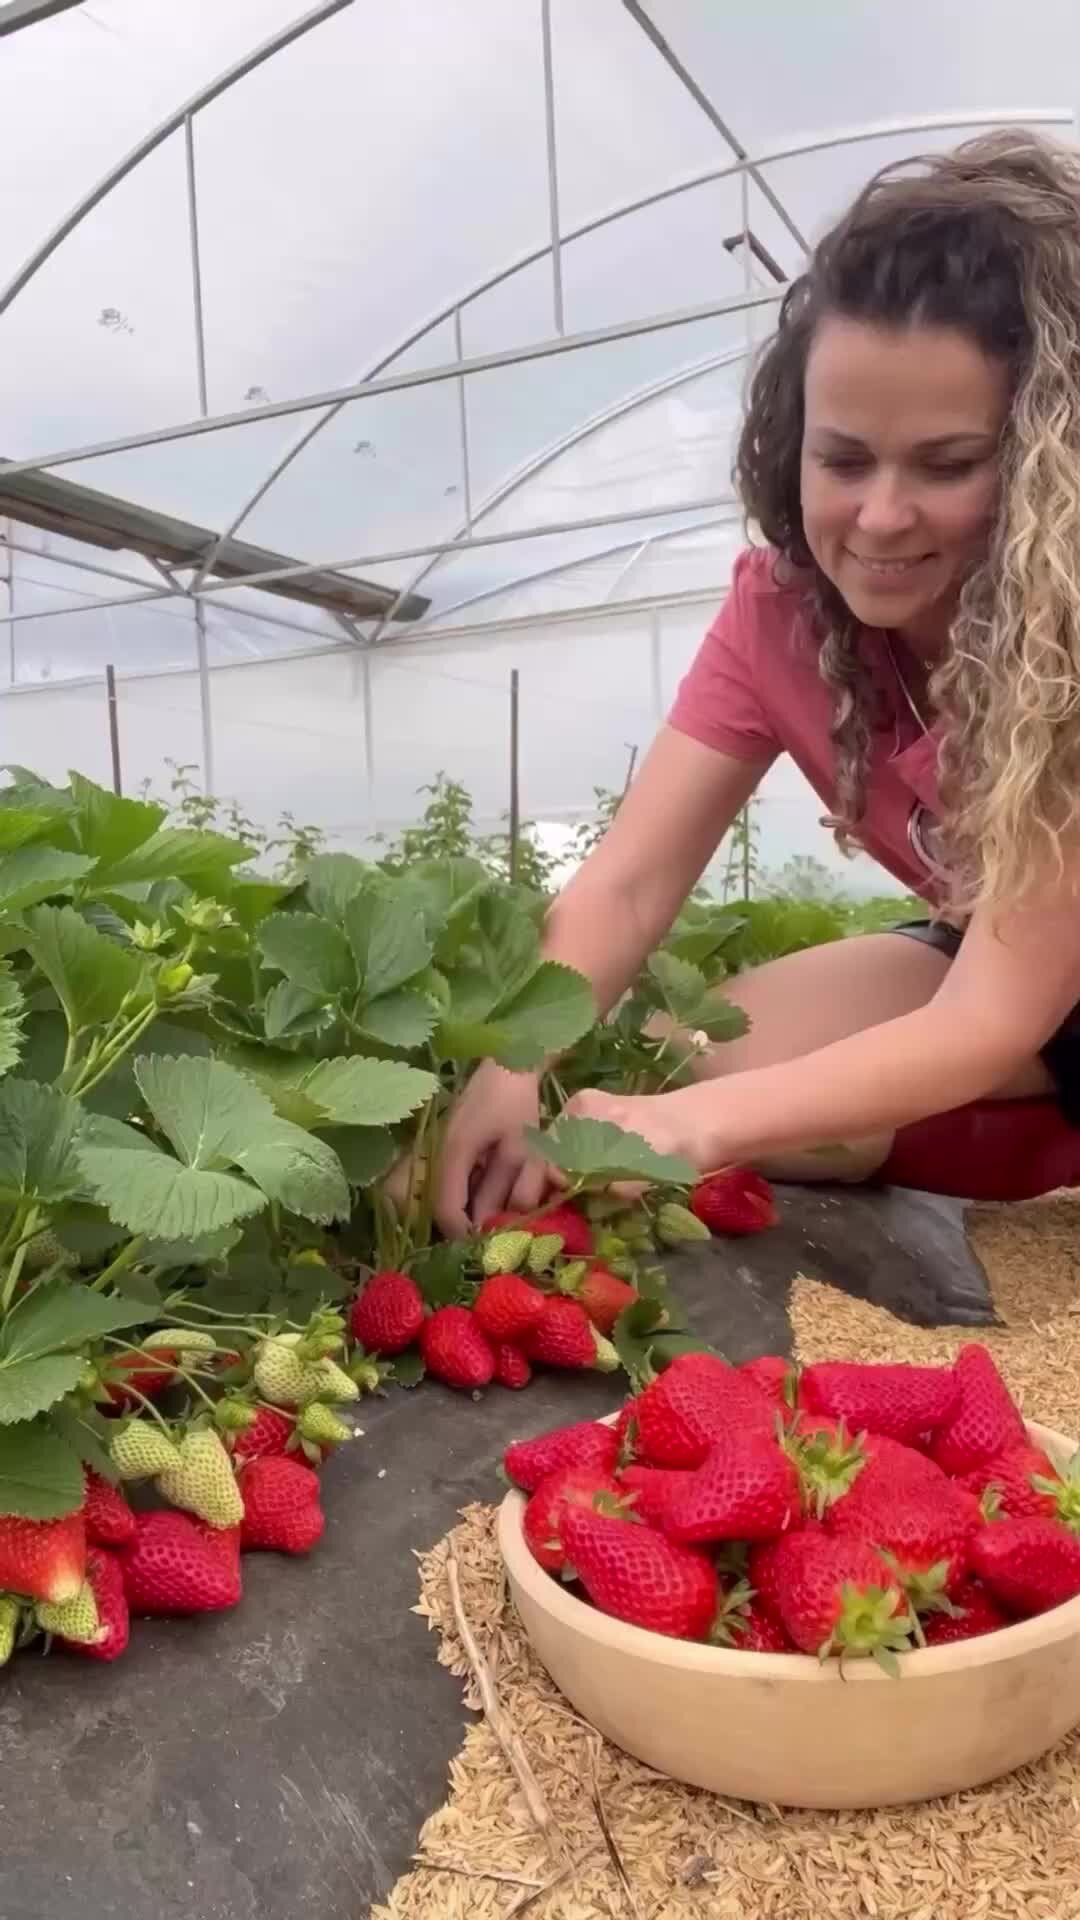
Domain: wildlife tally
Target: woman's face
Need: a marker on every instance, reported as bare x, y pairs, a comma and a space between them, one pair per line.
899, 468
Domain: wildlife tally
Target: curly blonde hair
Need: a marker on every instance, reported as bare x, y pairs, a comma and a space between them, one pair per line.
985, 239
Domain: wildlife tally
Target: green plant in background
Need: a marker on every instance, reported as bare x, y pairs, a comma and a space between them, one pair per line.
741, 869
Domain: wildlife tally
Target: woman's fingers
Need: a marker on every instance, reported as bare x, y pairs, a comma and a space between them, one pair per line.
531, 1187
491, 1193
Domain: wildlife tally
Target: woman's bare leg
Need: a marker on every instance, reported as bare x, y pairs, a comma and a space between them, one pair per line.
807, 1000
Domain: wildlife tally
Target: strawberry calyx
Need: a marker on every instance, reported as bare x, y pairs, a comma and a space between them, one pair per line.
868, 1625
1064, 1491
730, 1621
828, 1461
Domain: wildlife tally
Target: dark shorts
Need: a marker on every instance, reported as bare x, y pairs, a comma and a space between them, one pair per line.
1061, 1053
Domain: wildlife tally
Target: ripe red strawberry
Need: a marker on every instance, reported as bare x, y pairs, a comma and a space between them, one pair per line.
108, 1518
734, 1201
637, 1575
44, 1559
507, 1307
828, 1459
985, 1420
571, 1226
512, 1369
149, 1373
777, 1378
767, 1569
694, 1402
1012, 1482
604, 1296
1029, 1565
587, 1443
747, 1489
545, 1512
564, 1336
456, 1350
839, 1597
900, 1402
925, 1532
269, 1433
106, 1580
652, 1488
388, 1315
177, 1564
281, 1506
979, 1613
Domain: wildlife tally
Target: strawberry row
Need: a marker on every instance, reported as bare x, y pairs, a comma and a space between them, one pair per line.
844, 1509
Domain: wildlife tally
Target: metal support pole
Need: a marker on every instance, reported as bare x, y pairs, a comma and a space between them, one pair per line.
9, 582
463, 425
631, 763
114, 728
552, 168
369, 740
515, 773
205, 708
196, 264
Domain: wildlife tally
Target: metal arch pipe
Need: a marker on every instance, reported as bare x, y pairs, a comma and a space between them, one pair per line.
547, 455
850, 136
238, 71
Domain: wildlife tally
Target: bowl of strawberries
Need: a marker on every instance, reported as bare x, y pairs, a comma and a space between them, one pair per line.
841, 1586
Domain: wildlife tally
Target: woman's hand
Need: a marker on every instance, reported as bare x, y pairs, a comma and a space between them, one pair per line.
486, 1164
672, 1123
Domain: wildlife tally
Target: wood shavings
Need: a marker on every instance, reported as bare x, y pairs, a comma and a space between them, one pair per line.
1010, 1851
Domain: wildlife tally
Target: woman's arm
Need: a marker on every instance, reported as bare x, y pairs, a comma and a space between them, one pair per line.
624, 898
1014, 981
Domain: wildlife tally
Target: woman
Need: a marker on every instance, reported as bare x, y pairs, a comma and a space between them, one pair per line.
910, 634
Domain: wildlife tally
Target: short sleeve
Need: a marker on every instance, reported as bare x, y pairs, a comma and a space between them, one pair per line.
718, 701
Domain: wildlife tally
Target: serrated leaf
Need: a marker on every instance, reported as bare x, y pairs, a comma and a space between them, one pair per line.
354, 1092
310, 952
173, 853
203, 1252
33, 874
331, 880
551, 1012
60, 1315
207, 1110
38, 1127
682, 984
389, 939
722, 1020
300, 1172
108, 826
290, 1012
28, 1387
12, 1008
87, 1231
632, 1337
41, 1477
366, 1153
90, 975
440, 1270
596, 1150
446, 891
509, 944
149, 1192
85, 1433
407, 1370
403, 1019
249, 899
20, 825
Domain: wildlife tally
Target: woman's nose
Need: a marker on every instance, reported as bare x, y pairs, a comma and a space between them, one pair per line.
886, 506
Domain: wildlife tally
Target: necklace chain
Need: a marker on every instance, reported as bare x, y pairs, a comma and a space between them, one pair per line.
903, 685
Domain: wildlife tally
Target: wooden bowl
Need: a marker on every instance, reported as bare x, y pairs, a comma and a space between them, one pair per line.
784, 1729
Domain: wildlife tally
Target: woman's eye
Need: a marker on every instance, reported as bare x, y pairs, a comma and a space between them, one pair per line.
950, 470
845, 463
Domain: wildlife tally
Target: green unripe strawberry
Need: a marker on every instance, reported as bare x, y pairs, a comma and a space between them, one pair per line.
325, 1380
181, 1340
142, 1449
676, 1225
47, 1250
279, 1371
322, 1426
544, 1250
203, 1481
233, 1415
505, 1252
76, 1619
10, 1610
173, 980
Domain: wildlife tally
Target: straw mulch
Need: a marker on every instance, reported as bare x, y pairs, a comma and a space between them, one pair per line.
1004, 1852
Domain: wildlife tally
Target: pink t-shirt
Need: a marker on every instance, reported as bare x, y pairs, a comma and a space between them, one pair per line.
754, 691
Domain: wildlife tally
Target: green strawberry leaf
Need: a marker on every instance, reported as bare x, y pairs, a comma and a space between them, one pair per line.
298, 1171
20, 825
291, 1012
400, 1019
365, 1153
38, 1158
207, 1110
446, 891
554, 1009
149, 1192
28, 1387
440, 1272
90, 974
600, 1153
311, 953
107, 826
330, 882
58, 1316
172, 853
86, 1432
389, 939
41, 1477
407, 1370
11, 1019
33, 874
632, 1338
352, 1092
